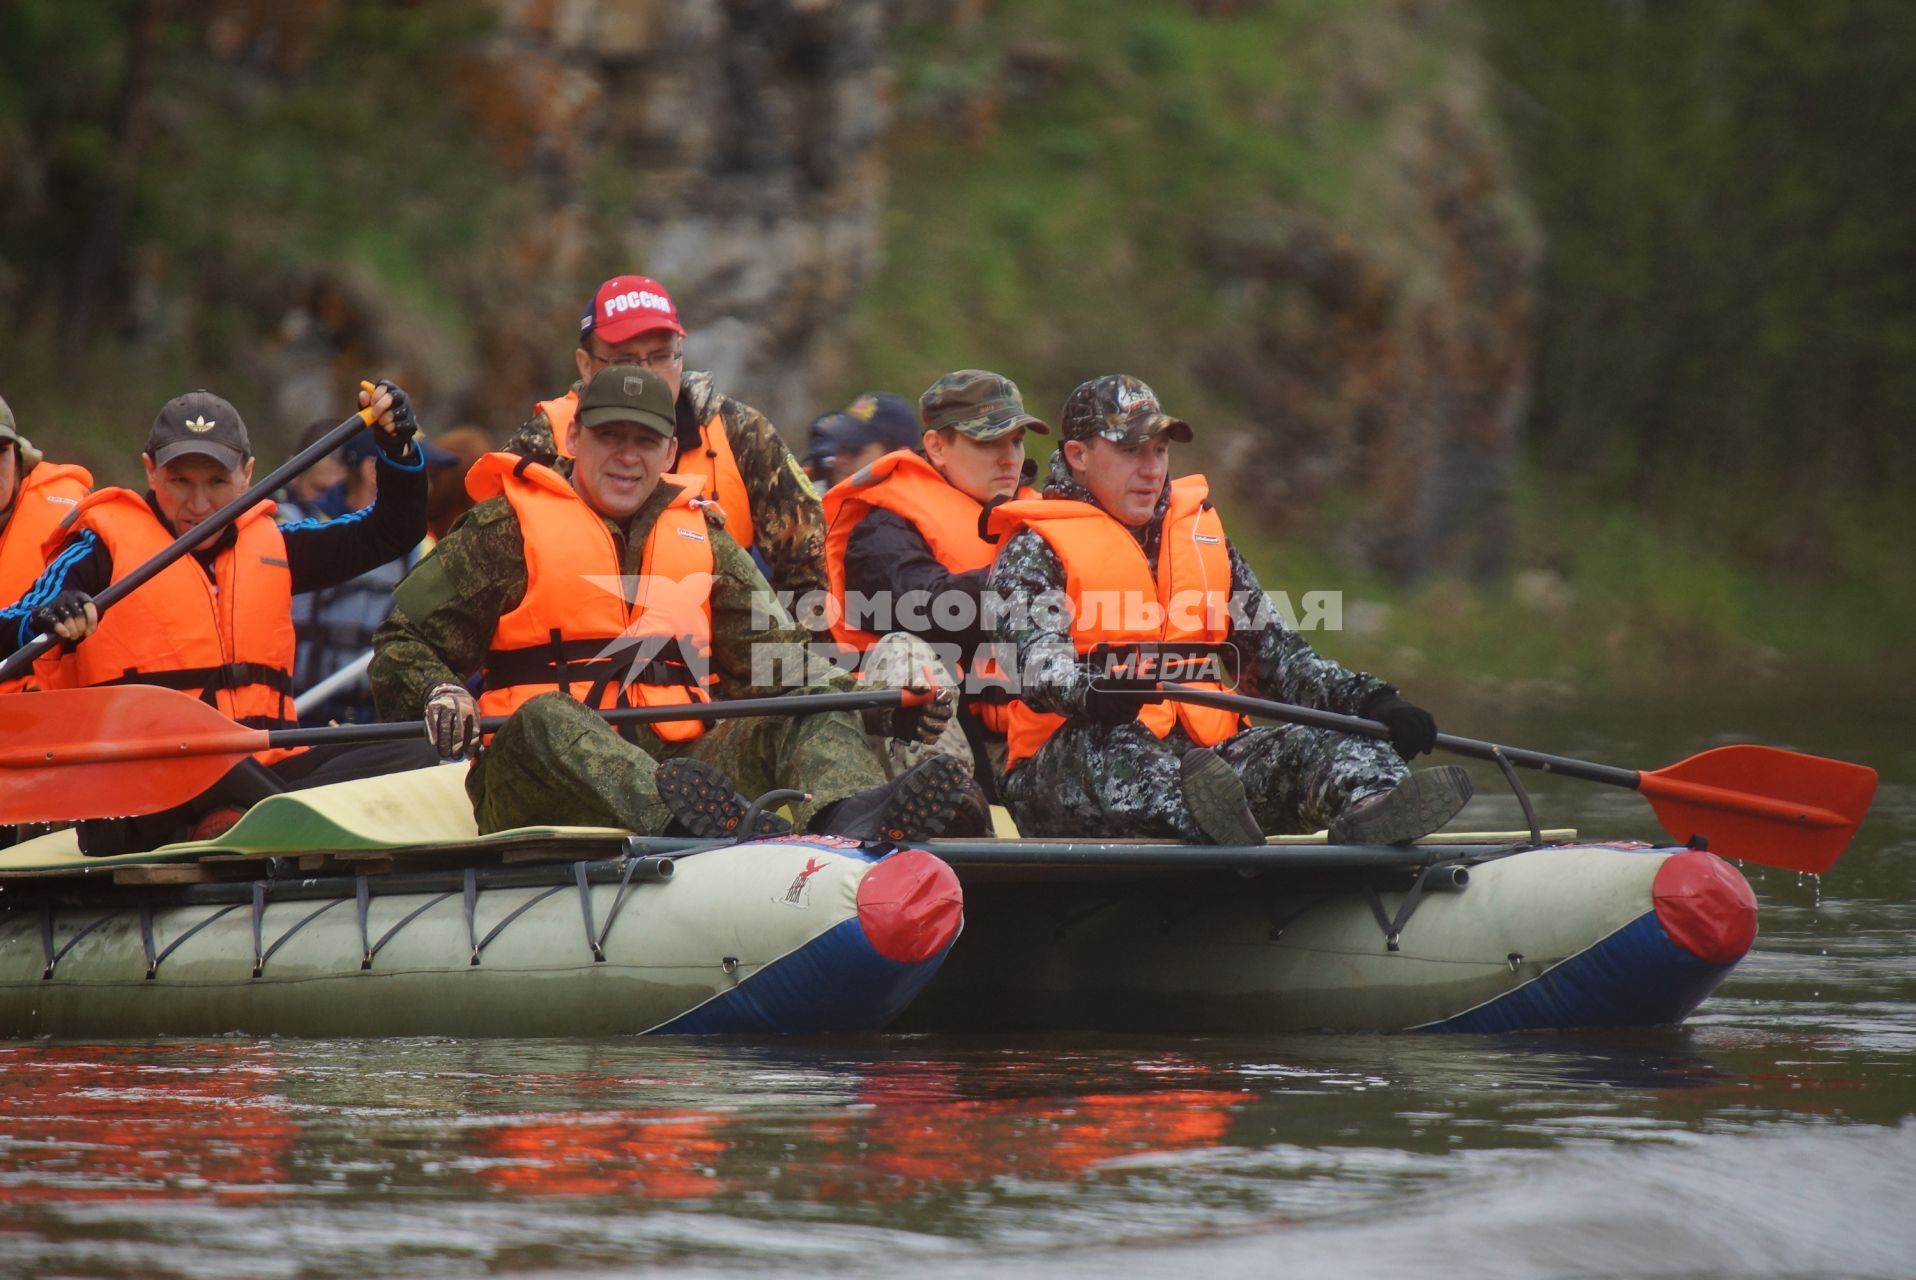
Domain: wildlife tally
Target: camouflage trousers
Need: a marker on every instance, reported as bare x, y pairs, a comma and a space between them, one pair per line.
1122, 781
890, 664
557, 763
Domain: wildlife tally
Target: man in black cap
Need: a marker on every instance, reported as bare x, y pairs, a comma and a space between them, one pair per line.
842, 443
218, 622
1143, 565
601, 580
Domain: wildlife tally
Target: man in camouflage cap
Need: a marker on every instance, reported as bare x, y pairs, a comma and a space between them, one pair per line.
903, 540
770, 505
35, 495
1143, 562
614, 583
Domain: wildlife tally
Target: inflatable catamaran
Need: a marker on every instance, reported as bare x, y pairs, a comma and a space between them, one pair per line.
375, 908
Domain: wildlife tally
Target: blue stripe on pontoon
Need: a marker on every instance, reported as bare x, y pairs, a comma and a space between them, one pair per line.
1636, 977
835, 982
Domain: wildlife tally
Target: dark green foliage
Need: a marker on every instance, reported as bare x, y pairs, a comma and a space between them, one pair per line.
1730, 289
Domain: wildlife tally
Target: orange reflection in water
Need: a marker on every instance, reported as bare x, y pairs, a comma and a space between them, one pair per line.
1046, 1139
105, 1122
663, 1156
892, 1149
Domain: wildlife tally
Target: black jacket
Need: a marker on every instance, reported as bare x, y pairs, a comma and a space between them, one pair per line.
319, 553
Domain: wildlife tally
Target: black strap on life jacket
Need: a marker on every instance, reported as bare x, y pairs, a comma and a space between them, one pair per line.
567, 663
208, 682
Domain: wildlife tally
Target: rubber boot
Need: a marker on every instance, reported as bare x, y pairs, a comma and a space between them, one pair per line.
916, 805
1422, 803
1215, 796
972, 818
704, 802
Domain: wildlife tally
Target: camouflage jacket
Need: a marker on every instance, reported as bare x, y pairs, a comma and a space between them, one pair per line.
1280, 663
787, 522
446, 611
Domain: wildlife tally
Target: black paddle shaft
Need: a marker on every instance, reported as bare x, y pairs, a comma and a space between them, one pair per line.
792, 705
1476, 748
23, 657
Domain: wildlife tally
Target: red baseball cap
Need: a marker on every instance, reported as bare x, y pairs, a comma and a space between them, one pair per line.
627, 306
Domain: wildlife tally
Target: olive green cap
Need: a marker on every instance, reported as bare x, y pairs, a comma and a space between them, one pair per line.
629, 393
9, 430
978, 404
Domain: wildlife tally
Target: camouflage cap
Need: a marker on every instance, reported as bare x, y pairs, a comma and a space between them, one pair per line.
978, 404
628, 393
1118, 408
9, 430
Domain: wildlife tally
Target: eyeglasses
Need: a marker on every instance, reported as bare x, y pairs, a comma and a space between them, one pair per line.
657, 361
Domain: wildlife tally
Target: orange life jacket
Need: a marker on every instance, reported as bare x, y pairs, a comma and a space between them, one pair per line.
1104, 566
229, 639
47, 495
713, 461
906, 484
568, 632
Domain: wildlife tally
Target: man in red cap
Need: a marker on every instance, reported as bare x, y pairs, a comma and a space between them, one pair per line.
770, 506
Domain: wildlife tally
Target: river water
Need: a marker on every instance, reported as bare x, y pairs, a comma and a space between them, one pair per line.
1769, 1136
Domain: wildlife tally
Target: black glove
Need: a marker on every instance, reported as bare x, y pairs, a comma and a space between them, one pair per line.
393, 439
1115, 700
1413, 730
922, 723
64, 607
925, 723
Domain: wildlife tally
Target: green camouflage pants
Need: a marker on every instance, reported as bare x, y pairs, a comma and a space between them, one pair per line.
557, 763
891, 664
1089, 780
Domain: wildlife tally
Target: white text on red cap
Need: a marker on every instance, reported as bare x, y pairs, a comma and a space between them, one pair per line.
637, 300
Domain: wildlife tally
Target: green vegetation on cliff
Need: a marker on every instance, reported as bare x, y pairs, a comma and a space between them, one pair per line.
1717, 473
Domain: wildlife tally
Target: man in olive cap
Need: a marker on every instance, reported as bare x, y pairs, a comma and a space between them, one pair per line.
907, 558
602, 580
1148, 574
771, 508
217, 623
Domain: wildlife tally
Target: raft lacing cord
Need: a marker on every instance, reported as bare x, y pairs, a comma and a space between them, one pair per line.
1393, 926
262, 955
470, 883
46, 938
365, 898
154, 961
512, 915
585, 908
1523, 794
1281, 920
618, 899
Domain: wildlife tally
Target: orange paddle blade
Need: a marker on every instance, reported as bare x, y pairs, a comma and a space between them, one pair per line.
111, 752
1767, 805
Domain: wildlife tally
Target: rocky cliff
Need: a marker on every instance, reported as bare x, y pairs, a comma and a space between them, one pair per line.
278, 198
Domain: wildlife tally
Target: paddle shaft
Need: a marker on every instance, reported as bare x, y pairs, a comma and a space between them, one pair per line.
211, 527
1476, 748
792, 705
239, 741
